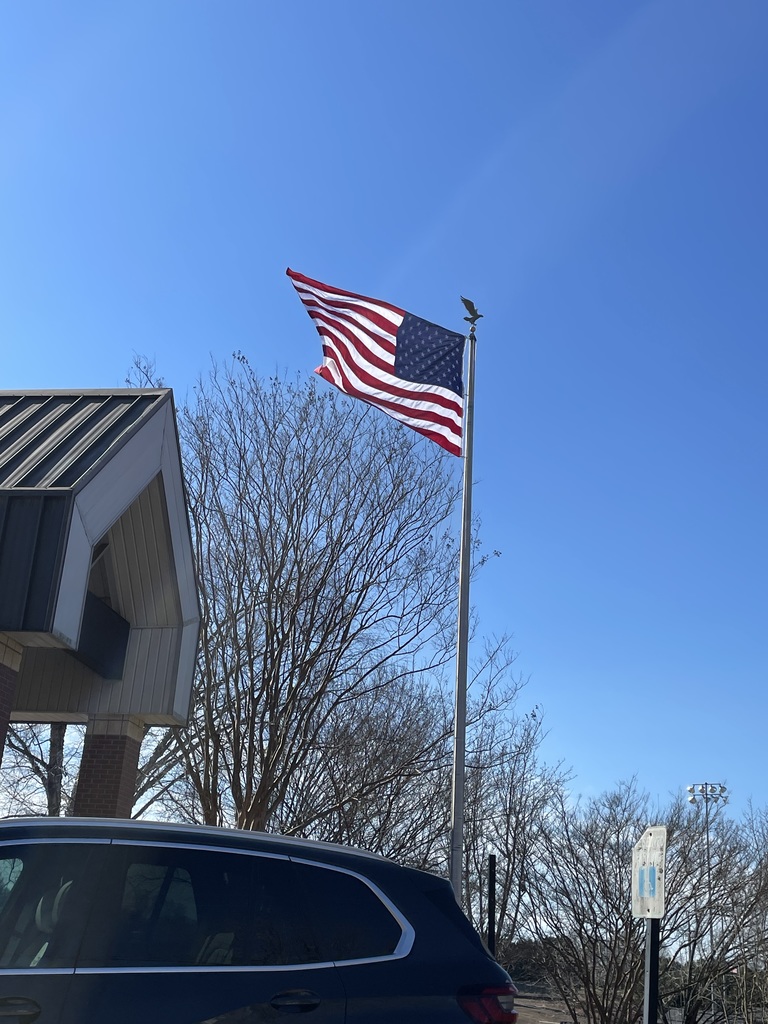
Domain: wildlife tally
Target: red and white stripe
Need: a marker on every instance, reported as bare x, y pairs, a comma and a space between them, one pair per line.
359, 338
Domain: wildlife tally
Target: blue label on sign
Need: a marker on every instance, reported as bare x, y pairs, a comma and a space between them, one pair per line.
647, 882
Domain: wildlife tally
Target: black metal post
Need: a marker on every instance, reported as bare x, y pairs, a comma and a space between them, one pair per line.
492, 903
651, 988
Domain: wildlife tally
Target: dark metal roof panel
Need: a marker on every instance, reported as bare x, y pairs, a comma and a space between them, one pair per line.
59, 439
33, 529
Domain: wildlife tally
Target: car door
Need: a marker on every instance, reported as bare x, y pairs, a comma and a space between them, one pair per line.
197, 934
46, 892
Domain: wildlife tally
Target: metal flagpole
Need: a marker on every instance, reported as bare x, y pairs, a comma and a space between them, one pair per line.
462, 642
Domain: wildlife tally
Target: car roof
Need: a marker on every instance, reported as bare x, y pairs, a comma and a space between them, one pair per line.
144, 830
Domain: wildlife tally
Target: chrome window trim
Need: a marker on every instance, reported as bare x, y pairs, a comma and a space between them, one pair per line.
51, 841
14, 972
208, 968
231, 969
158, 844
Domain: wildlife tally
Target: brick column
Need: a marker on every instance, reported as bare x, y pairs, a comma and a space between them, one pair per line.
10, 662
107, 781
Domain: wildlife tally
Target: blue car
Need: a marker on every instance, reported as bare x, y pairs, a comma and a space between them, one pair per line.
134, 921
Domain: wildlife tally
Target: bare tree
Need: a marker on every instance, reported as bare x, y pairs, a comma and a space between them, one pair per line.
327, 567
377, 775
748, 977
511, 795
580, 907
40, 768
577, 909
380, 776
713, 932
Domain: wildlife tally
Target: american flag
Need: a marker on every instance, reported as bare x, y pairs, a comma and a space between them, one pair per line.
410, 368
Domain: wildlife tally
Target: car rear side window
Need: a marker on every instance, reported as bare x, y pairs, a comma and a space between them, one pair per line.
350, 919
182, 907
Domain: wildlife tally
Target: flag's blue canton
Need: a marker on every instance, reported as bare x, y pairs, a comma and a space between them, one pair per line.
428, 354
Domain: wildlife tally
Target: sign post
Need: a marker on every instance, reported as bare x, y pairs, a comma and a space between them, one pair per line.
648, 864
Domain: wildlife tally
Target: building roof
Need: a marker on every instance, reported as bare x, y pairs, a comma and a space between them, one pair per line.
97, 580
59, 439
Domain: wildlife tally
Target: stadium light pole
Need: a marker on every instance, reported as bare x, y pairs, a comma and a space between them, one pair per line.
709, 793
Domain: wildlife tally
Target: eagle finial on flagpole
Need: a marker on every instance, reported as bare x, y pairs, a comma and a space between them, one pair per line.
470, 307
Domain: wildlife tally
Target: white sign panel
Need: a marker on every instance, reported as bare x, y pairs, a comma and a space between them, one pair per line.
648, 873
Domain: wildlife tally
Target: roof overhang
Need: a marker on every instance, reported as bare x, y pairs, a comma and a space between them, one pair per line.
97, 580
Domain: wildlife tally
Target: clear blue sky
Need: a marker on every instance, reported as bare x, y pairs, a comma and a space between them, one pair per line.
592, 174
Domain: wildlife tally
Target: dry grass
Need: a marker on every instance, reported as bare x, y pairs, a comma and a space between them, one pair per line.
535, 1010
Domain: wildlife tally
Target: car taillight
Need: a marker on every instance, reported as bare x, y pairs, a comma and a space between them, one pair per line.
491, 1004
